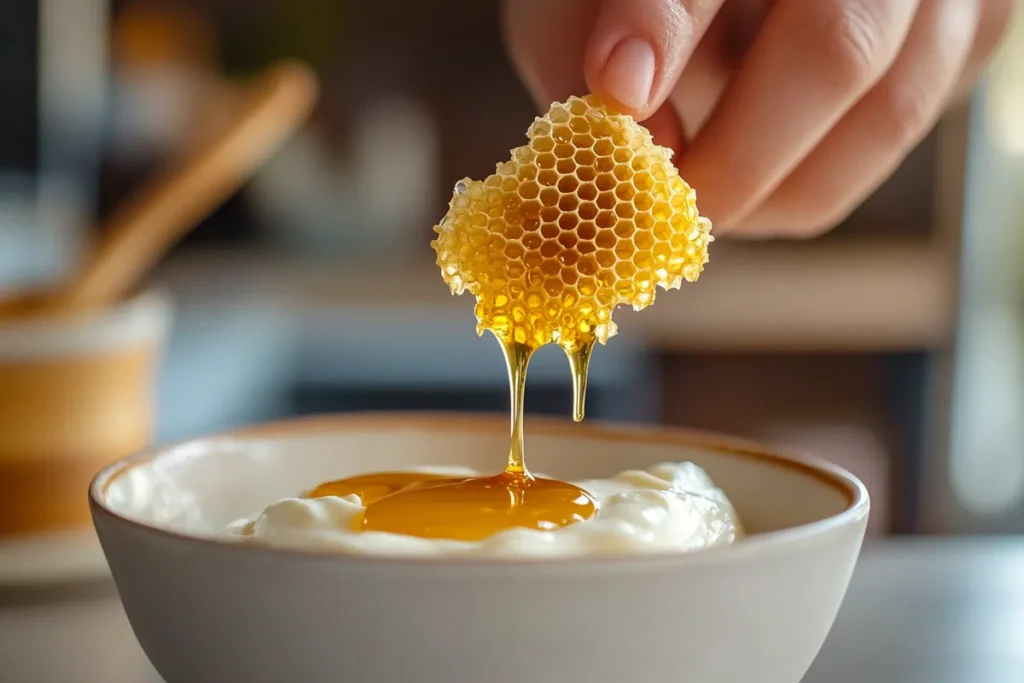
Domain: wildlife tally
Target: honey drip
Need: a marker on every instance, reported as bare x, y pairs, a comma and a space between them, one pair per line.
517, 359
588, 216
579, 364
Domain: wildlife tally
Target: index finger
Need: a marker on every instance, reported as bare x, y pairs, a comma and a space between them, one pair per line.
638, 48
629, 52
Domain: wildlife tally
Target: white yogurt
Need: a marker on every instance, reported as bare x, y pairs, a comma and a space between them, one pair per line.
669, 507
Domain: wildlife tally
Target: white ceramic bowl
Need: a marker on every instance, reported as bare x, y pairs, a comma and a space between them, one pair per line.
209, 610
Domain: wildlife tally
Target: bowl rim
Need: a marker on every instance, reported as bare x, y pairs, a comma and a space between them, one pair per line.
856, 494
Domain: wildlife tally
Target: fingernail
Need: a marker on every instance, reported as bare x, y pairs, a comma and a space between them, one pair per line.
629, 73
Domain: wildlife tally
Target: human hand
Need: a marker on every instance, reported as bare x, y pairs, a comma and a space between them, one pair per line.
784, 114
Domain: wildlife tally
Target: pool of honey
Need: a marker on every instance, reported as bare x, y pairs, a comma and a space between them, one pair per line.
464, 509
474, 508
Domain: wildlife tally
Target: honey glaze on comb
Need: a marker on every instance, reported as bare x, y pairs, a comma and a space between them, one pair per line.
588, 216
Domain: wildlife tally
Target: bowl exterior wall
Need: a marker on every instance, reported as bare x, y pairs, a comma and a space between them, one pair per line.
209, 614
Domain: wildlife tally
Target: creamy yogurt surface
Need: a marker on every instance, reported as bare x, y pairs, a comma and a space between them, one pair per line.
668, 507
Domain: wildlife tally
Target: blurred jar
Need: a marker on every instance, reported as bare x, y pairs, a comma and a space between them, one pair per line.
75, 394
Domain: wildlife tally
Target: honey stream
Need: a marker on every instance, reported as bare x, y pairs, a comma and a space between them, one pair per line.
472, 509
589, 215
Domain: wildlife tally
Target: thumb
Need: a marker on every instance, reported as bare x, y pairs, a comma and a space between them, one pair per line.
637, 49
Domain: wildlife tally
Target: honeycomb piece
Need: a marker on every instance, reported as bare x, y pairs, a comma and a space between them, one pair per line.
589, 215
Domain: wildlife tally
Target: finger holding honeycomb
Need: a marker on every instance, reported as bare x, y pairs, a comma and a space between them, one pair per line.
590, 215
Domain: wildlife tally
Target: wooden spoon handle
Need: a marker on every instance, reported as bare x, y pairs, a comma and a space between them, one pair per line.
161, 211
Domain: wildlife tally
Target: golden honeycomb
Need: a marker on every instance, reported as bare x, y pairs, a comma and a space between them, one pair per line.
589, 215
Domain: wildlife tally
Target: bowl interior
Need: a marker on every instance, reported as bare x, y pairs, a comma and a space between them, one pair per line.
201, 486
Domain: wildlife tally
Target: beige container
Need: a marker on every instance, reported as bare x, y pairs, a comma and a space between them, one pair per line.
74, 396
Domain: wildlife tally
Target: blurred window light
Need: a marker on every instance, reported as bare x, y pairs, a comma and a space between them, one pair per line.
987, 465
1005, 90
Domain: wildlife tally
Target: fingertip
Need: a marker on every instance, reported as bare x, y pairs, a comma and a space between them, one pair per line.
626, 76
637, 50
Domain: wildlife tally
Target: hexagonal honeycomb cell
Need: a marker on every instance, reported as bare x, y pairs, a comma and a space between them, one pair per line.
589, 215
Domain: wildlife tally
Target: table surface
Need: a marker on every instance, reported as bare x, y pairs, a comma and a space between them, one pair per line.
918, 611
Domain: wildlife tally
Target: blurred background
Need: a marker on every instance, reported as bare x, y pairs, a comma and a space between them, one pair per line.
894, 345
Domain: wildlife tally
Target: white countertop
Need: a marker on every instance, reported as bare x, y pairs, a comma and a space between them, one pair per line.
919, 611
